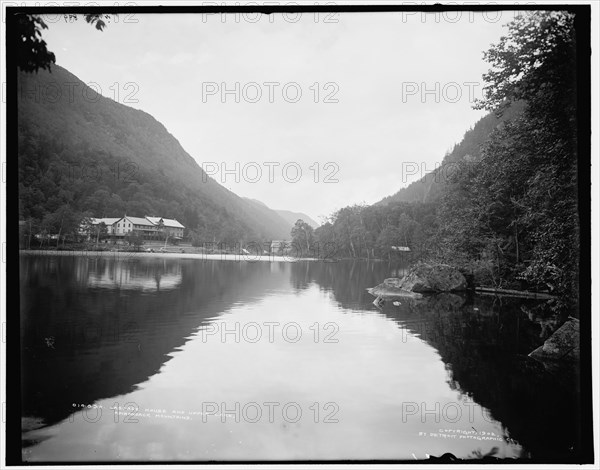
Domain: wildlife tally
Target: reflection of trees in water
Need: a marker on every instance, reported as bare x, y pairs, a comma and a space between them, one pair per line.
348, 279
486, 354
484, 342
487, 359
487, 362
108, 340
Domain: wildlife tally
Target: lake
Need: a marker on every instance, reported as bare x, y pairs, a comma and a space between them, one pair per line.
175, 359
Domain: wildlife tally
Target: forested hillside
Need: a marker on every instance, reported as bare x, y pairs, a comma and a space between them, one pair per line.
507, 212
82, 153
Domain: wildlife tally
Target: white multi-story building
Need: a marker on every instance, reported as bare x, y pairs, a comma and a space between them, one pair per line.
171, 226
149, 227
129, 224
108, 221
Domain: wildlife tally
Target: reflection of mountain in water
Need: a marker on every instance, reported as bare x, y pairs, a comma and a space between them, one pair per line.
82, 342
484, 343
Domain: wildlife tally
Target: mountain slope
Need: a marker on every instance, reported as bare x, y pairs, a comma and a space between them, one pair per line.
291, 217
90, 153
280, 226
429, 187
285, 219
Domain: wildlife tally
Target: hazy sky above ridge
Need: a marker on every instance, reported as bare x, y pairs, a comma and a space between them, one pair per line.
334, 109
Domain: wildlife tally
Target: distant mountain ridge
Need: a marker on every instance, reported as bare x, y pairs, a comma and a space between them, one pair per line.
90, 153
292, 217
289, 218
280, 226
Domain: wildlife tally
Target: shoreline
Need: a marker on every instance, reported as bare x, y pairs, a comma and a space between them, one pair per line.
133, 255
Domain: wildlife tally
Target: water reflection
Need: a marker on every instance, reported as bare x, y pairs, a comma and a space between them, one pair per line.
96, 328
484, 342
139, 276
175, 336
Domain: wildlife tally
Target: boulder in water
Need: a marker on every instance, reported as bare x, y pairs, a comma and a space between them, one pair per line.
563, 345
425, 277
389, 289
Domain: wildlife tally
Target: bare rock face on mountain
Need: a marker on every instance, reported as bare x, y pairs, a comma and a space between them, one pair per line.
423, 278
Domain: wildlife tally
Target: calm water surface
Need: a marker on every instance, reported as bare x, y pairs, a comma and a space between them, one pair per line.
222, 360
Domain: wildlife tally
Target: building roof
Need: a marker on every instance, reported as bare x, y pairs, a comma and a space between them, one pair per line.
139, 221
166, 222
106, 220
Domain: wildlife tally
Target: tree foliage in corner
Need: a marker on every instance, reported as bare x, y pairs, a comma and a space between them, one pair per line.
31, 50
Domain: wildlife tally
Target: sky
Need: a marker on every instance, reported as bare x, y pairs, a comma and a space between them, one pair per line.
305, 112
